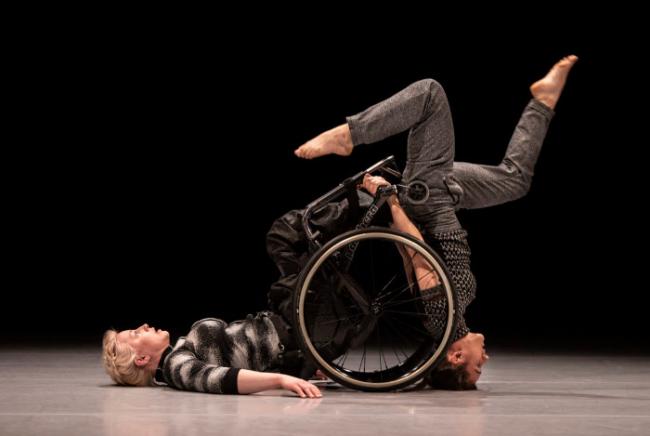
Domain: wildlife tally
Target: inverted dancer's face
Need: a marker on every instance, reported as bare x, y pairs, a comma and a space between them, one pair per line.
476, 355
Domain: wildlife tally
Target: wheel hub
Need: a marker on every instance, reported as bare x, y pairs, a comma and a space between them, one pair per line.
376, 308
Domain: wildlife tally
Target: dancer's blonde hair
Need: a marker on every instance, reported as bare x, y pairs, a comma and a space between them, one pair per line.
119, 362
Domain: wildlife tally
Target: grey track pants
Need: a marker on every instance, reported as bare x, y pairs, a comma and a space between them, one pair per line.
422, 109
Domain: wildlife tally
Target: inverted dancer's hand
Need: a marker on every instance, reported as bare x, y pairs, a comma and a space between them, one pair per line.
372, 183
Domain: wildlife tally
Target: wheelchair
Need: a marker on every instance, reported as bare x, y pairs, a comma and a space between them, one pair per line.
360, 314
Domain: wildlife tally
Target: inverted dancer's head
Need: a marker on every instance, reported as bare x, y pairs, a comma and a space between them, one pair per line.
463, 366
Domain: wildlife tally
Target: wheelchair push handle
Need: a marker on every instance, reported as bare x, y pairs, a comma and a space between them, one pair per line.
386, 166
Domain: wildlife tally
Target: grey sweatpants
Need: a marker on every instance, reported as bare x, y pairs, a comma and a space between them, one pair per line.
422, 109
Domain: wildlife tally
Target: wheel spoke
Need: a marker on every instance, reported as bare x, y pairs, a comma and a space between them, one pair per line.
385, 320
409, 286
404, 312
339, 319
413, 328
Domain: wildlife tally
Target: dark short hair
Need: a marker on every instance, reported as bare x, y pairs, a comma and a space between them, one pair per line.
449, 377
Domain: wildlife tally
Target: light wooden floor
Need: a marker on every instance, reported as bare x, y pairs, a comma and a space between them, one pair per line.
45, 392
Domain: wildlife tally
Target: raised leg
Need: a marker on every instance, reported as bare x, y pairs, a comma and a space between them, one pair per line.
477, 186
421, 107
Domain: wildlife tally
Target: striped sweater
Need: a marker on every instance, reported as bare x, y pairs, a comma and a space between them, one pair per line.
209, 358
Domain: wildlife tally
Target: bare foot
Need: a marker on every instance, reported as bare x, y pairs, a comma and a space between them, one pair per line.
548, 89
334, 141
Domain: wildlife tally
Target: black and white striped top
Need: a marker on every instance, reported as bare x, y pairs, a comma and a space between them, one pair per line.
209, 358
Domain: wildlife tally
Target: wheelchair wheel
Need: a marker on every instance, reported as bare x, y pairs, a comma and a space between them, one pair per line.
361, 315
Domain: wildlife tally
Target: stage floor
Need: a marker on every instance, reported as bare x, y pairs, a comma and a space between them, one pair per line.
65, 392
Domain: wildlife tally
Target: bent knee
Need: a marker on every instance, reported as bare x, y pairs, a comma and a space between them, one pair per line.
520, 188
429, 85
432, 94
519, 185
518, 182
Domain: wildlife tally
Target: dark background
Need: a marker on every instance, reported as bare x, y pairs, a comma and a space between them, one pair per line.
157, 164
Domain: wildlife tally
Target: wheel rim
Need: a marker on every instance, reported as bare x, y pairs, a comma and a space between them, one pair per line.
380, 313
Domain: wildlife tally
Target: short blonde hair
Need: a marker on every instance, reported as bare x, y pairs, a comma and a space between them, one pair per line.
119, 362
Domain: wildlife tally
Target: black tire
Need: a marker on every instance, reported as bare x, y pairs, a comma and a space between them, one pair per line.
337, 311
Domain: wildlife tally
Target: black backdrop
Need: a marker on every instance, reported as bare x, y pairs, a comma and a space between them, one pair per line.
166, 161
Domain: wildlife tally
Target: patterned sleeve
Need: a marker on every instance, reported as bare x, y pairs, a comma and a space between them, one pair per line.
184, 370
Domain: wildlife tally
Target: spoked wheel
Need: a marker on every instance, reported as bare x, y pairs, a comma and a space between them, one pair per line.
374, 309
